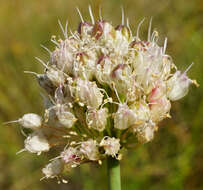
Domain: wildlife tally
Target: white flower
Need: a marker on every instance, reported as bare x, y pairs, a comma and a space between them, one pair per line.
178, 86
88, 93
71, 155
85, 29
84, 65
31, 121
158, 102
111, 145
124, 117
160, 109
53, 169
90, 149
146, 132
36, 142
65, 116
97, 119
103, 69
121, 43
63, 56
150, 65
121, 76
67, 119
103, 31
55, 76
143, 115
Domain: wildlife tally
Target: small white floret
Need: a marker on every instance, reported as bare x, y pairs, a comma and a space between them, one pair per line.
111, 145
36, 142
90, 149
53, 169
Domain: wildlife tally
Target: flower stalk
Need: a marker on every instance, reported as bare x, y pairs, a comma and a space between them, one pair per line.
114, 177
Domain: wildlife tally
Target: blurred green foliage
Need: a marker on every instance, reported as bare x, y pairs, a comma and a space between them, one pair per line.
174, 160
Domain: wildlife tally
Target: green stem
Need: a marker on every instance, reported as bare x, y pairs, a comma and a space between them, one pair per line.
114, 178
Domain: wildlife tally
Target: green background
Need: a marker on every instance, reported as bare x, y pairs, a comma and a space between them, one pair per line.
174, 160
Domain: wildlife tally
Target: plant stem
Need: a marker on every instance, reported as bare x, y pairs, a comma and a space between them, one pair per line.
114, 178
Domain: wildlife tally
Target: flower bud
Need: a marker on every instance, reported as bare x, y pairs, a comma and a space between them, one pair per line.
90, 149
97, 119
31, 121
53, 169
178, 86
111, 145
36, 142
124, 117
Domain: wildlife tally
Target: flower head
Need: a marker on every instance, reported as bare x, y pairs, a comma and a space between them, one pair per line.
102, 86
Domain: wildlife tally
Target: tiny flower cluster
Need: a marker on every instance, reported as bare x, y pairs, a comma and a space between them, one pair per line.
104, 90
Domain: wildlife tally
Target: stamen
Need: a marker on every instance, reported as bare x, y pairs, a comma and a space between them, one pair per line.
22, 132
138, 28
62, 29
127, 22
55, 42
116, 93
31, 72
42, 62
123, 16
100, 14
46, 49
81, 18
66, 30
165, 44
91, 15
9, 122
149, 29
23, 150
189, 67
154, 36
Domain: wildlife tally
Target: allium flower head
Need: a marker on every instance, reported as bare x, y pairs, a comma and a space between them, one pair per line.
104, 89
